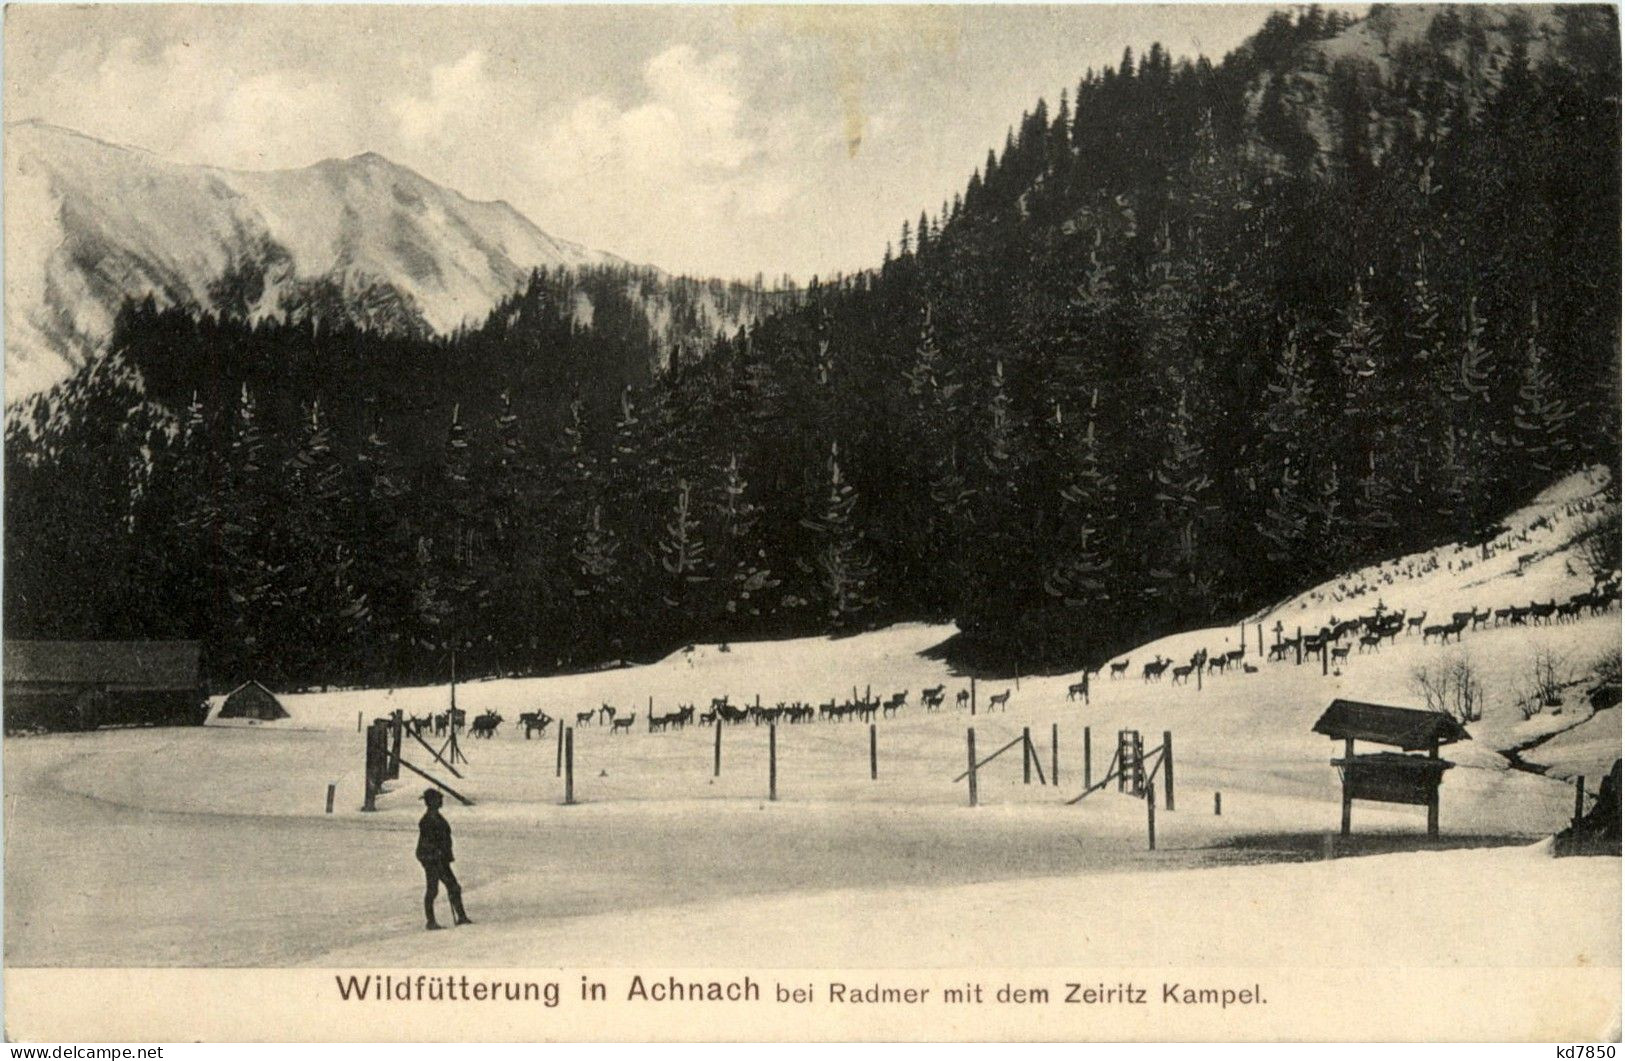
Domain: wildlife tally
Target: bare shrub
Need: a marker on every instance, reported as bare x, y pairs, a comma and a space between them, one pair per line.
1598, 543
1542, 687
1451, 687
1606, 669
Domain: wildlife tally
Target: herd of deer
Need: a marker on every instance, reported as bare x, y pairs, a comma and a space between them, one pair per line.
1372, 630
1368, 631
535, 723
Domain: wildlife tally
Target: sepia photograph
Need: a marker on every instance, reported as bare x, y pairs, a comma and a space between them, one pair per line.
875, 522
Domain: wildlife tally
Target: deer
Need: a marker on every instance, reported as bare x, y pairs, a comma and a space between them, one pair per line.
1119, 669
1248, 668
1415, 622
1340, 654
1371, 641
962, 699
584, 718
1181, 673
622, 725
1077, 689
442, 722
535, 722
605, 711
1153, 671
1001, 701
486, 725
932, 698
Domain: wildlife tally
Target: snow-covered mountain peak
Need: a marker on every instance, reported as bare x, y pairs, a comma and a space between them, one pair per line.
90, 224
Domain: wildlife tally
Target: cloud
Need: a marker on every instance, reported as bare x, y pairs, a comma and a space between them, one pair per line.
188, 102
688, 157
458, 94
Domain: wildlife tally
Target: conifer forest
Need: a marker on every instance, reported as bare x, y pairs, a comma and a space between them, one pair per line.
1197, 334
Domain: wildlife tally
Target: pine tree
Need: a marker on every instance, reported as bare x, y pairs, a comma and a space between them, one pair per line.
1541, 416
386, 556
842, 565
247, 539
682, 550
1081, 572
749, 579
1182, 493
322, 611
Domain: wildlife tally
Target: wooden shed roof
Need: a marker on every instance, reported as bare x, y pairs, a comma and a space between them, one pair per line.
143, 664
1406, 728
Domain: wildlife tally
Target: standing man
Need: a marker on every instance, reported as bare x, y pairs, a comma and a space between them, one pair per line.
434, 851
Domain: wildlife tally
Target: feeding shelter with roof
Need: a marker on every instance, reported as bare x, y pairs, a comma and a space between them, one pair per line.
1391, 777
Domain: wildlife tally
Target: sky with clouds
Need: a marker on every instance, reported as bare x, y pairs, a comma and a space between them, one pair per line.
719, 141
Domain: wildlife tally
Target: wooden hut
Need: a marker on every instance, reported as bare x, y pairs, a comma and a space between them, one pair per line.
252, 700
1391, 777
84, 684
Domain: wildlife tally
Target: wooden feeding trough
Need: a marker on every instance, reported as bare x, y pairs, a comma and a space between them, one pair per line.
1391, 777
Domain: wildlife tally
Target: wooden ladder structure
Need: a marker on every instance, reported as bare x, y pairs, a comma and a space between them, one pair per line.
1135, 768
1130, 761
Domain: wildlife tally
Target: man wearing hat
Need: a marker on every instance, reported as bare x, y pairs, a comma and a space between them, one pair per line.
434, 851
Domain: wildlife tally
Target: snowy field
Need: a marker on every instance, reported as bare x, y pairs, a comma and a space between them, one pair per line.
214, 849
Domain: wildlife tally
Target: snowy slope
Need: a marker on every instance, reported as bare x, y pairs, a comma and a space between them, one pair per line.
89, 223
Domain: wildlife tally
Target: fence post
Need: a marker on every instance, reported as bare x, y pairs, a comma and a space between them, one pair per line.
1325, 654
1086, 687
973, 696
1151, 817
1088, 767
874, 763
1167, 769
1216, 805
772, 760
358, 722
569, 766
970, 757
1026, 755
376, 761
1579, 797
332, 787
716, 749
1299, 647
1243, 640
558, 757
1055, 754
395, 746
1260, 640
1199, 670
